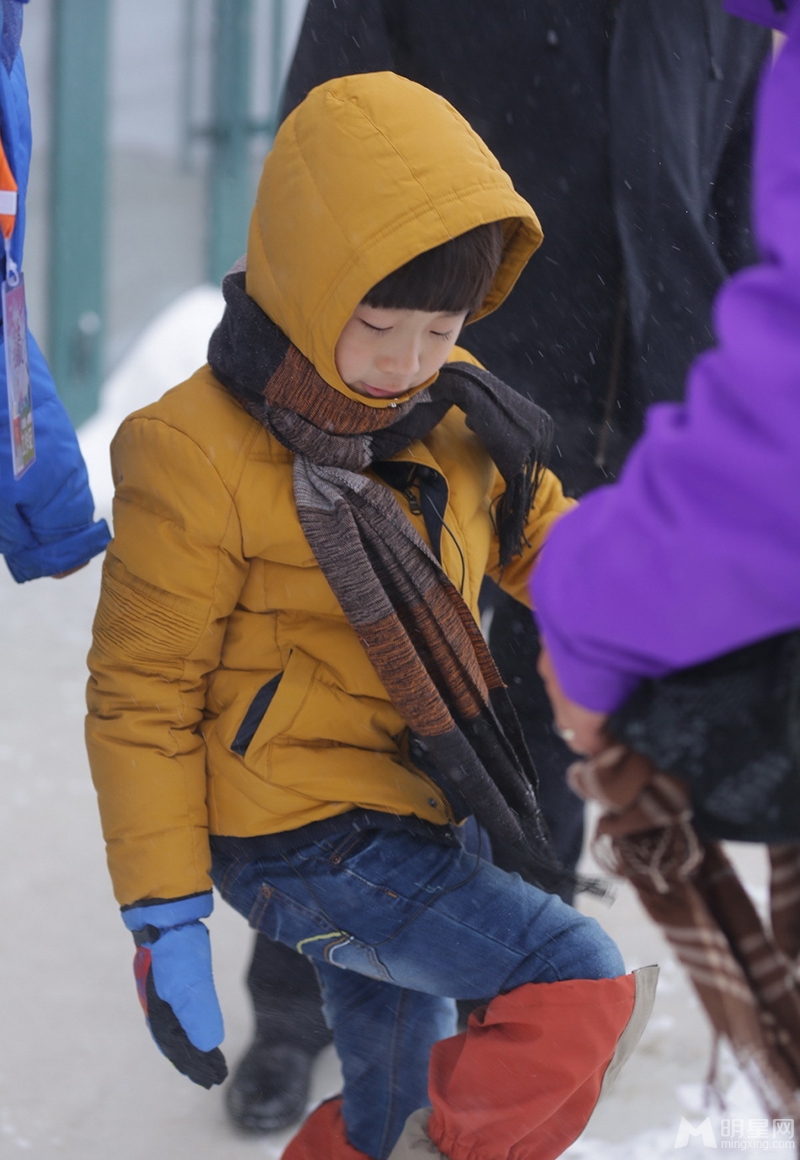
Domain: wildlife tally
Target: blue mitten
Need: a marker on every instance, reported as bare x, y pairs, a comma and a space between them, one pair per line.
176, 987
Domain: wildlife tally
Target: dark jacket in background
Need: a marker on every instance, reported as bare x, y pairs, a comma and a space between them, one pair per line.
628, 128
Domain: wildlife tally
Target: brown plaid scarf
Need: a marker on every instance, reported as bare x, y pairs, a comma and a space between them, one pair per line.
414, 624
745, 976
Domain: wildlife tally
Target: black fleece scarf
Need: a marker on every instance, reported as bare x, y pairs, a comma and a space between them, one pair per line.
416, 628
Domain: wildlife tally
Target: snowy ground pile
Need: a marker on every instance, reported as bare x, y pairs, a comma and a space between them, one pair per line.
79, 1077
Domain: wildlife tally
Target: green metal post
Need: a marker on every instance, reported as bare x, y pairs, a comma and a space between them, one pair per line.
187, 83
230, 184
278, 62
78, 201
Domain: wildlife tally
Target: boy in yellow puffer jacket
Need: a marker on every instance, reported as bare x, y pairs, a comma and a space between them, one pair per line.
290, 696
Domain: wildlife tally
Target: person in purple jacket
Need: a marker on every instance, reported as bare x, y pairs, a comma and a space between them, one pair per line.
695, 551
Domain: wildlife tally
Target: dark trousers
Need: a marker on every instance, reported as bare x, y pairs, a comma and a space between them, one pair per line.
286, 999
282, 983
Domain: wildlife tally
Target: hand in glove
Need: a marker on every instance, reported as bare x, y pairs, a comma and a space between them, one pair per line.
176, 987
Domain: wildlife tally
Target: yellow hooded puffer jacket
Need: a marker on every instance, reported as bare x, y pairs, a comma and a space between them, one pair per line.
210, 589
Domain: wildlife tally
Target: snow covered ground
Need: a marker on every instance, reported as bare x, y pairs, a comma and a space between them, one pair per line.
79, 1076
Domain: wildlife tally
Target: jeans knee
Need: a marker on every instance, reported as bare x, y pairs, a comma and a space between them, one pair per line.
582, 950
601, 957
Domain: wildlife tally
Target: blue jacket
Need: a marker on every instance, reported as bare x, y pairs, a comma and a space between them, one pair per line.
47, 517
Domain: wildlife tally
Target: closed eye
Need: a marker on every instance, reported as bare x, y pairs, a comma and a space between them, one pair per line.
377, 329
445, 335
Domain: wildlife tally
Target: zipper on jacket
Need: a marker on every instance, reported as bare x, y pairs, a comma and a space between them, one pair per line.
425, 491
413, 500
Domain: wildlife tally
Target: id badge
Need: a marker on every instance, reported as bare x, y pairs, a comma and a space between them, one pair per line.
18, 379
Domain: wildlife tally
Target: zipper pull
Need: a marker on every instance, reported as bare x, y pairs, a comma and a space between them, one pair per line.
413, 502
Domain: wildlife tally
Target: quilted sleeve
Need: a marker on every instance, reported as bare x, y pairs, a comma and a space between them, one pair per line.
172, 576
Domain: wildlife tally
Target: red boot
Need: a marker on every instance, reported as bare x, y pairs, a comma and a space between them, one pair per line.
523, 1080
322, 1136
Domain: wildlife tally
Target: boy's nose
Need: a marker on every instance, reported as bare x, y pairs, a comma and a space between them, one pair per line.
403, 360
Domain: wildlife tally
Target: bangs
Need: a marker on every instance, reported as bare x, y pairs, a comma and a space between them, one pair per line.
453, 278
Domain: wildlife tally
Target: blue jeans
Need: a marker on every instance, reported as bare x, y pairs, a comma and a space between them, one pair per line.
398, 927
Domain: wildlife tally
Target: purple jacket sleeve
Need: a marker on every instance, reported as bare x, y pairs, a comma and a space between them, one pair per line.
771, 13
696, 551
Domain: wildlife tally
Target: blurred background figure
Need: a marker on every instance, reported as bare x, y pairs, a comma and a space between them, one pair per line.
629, 126
677, 672
47, 525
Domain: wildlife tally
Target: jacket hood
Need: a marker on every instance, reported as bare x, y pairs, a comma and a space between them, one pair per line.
365, 174
772, 13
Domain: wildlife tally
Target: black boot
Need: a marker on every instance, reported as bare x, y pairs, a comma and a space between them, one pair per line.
269, 1088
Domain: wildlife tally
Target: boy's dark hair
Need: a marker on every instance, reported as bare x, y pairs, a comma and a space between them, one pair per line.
448, 279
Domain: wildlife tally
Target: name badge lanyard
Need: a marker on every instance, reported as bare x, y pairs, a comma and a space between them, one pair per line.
15, 332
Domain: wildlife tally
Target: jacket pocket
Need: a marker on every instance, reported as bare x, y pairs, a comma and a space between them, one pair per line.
283, 919
255, 715
274, 709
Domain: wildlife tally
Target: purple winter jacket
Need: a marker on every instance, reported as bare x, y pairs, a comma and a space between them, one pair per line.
696, 550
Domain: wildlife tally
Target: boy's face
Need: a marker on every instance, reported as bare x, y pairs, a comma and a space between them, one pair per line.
383, 353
